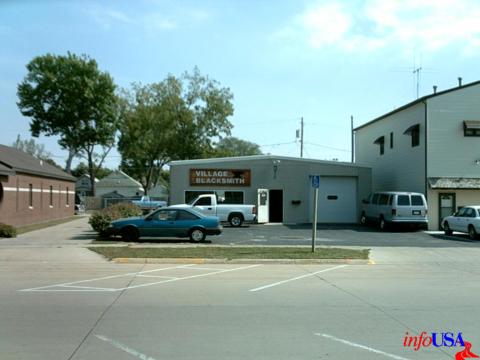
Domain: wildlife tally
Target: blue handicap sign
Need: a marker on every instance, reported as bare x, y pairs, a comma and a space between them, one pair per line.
315, 181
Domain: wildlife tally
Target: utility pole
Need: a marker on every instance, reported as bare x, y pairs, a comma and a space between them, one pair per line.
301, 137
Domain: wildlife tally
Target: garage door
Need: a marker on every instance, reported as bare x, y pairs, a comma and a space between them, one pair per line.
337, 200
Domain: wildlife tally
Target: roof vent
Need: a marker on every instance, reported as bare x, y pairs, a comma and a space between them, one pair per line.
434, 89
459, 81
41, 162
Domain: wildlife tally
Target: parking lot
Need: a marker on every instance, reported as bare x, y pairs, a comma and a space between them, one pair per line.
65, 302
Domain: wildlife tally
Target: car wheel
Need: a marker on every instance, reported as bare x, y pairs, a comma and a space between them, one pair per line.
472, 234
383, 224
197, 235
363, 219
236, 220
446, 229
129, 234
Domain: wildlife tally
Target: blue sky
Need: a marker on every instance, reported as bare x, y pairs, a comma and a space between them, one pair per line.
323, 60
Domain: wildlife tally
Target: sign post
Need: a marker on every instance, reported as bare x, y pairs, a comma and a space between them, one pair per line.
315, 184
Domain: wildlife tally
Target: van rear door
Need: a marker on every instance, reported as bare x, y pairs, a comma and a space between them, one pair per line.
411, 207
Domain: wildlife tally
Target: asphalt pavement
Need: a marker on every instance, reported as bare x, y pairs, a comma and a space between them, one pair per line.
61, 301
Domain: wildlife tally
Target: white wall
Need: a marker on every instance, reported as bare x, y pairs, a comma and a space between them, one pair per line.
403, 167
450, 154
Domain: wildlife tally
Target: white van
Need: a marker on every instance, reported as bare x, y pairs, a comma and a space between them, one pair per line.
393, 207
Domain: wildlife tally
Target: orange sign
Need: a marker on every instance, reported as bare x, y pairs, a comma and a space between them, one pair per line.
220, 177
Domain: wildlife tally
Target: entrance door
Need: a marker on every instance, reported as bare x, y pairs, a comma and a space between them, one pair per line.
275, 208
447, 206
262, 201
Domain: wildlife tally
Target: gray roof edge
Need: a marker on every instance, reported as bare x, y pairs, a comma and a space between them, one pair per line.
47, 174
263, 157
415, 102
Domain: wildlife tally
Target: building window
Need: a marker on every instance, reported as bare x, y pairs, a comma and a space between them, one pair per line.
391, 140
1, 193
51, 196
414, 132
30, 195
471, 128
67, 199
381, 142
227, 197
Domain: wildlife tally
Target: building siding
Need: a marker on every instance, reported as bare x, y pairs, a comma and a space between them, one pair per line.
15, 209
450, 153
401, 168
291, 176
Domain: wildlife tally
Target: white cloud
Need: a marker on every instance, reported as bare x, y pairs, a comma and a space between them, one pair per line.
405, 24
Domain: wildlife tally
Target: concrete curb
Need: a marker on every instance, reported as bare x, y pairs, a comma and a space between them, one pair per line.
239, 261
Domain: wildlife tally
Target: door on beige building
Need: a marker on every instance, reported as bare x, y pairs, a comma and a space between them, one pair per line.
447, 206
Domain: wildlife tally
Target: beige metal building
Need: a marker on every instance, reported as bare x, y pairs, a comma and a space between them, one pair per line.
279, 186
431, 145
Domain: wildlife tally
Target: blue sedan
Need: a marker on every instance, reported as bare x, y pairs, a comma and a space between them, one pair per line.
167, 222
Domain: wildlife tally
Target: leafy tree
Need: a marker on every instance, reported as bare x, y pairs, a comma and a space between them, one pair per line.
232, 146
68, 96
32, 148
171, 120
82, 169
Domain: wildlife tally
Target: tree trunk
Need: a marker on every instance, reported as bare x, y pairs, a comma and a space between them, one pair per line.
68, 165
91, 170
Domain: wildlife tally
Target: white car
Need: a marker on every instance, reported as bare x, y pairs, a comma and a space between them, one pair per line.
466, 220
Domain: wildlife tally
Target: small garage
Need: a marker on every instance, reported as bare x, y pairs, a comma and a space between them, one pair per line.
280, 187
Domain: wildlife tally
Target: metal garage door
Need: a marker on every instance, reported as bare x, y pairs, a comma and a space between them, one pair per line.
337, 200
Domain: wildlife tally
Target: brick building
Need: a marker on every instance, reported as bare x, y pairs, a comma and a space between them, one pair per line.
31, 190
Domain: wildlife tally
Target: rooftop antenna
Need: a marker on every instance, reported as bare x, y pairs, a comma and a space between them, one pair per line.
417, 73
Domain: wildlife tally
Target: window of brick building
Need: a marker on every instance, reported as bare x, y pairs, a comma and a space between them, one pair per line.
30, 195
51, 195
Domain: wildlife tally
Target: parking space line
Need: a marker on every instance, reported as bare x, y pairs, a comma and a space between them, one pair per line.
88, 287
349, 343
124, 347
296, 278
203, 268
105, 278
72, 286
188, 277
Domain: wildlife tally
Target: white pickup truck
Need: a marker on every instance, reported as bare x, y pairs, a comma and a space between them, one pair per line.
235, 214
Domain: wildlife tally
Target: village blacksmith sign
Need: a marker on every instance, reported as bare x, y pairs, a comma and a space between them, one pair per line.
220, 177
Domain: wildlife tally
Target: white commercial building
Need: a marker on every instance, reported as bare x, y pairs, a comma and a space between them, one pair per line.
279, 186
431, 145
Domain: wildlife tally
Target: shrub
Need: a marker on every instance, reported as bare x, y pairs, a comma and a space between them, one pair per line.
102, 218
7, 231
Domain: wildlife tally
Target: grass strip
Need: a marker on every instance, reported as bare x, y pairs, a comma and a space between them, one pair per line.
231, 253
43, 225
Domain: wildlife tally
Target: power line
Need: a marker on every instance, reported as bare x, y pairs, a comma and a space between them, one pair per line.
276, 121
278, 144
328, 147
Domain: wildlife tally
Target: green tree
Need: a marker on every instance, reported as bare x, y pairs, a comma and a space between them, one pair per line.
177, 118
37, 150
32, 148
232, 146
69, 97
82, 169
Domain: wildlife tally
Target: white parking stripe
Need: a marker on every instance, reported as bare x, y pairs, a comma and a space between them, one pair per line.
73, 287
125, 348
349, 343
296, 278
107, 277
188, 277
87, 287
